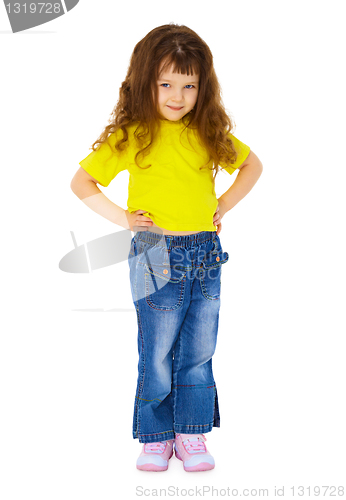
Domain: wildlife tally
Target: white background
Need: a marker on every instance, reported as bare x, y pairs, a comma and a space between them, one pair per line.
68, 375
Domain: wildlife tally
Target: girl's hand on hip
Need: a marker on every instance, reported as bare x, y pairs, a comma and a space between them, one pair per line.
137, 222
219, 213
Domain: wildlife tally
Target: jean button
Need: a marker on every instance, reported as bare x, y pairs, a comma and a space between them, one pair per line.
217, 258
165, 271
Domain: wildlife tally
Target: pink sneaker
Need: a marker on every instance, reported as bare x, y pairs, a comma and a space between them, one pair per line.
155, 456
190, 448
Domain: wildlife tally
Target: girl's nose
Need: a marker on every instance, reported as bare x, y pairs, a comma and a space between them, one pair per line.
177, 96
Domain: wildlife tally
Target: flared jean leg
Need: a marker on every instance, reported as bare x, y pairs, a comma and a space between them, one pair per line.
194, 390
153, 408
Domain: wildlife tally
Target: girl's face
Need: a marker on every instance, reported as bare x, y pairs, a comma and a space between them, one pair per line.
177, 94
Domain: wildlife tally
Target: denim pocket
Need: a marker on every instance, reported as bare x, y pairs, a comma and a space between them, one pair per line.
164, 286
210, 274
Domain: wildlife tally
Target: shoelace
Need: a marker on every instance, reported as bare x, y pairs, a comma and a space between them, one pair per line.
194, 446
155, 447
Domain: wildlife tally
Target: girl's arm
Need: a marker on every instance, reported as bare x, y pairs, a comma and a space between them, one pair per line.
249, 173
84, 187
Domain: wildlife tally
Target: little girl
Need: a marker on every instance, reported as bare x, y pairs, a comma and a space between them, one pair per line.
171, 132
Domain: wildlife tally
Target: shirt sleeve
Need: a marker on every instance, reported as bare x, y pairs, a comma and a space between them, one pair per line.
106, 162
242, 151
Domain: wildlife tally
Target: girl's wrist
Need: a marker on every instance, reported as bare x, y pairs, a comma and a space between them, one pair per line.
222, 206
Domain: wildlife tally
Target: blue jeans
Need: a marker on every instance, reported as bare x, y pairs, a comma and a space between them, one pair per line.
175, 285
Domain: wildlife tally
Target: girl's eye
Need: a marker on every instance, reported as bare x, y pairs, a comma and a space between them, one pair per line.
190, 86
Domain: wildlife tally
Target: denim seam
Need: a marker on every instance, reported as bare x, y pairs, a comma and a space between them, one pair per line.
149, 400
141, 382
197, 386
177, 358
157, 433
196, 425
216, 419
135, 417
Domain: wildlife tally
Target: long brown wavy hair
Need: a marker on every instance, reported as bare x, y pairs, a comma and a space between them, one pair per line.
181, 47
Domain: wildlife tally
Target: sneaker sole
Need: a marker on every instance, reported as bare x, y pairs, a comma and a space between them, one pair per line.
154, 468
151, 467
203, 466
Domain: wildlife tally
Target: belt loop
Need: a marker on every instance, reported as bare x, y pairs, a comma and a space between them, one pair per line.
166, 245
215, 244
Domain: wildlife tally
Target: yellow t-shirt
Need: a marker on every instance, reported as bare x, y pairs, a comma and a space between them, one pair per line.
175, 194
